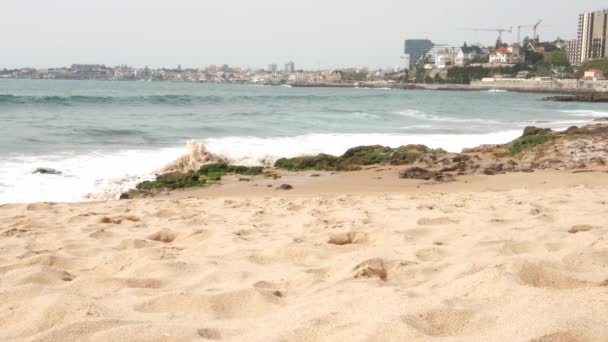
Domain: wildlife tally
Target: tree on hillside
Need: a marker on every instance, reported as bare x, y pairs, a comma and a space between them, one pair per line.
533, 57
557, 58
421, 71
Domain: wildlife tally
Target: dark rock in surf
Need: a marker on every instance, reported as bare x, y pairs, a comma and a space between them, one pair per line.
531, 130
46, 171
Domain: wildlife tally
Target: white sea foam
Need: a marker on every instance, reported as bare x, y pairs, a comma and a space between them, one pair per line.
256, 151
416, 114
98, 176
588, 113
88, 176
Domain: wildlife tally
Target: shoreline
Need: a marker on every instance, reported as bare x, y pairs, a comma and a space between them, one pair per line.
545, 87
479, 86
307, 255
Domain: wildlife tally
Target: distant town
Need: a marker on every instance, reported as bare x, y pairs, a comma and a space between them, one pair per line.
424, 62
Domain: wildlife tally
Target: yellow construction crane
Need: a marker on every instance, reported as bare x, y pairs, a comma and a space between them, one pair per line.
499, 30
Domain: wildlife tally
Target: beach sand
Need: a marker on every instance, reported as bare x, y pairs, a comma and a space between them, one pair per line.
359, 256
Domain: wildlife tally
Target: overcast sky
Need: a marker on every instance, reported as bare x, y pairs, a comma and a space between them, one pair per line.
312, 33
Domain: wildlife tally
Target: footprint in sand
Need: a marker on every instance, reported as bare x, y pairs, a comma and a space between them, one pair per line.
438, 221
165, 235
441, 322
580, 229
138, 283
109, 220
209, 334
101, 234
47, 276
132, 244
342, 239
373, 268
430, 254
228, 305
13, 232
562, 336
544, 277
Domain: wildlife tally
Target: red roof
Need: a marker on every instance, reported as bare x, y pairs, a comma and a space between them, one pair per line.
503, 50
594, 70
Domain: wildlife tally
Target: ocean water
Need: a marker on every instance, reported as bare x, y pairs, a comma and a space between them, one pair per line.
106, 136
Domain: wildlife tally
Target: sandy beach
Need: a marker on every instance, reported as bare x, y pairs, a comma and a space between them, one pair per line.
359, 256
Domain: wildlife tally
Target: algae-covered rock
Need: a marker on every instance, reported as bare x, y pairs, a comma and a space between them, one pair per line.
318, 162
410, 154
366, 155
520, 144
356, 157
174, 181
206, 175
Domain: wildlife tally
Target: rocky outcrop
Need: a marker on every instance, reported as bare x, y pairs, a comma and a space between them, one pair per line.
591, 97
424, 174
531, 130
358, 157
206, 175
536, 149
46, 171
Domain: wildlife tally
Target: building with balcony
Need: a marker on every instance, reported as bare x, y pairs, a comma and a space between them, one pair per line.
592, 40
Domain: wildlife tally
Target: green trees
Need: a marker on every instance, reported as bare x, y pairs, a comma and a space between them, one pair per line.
601, 64
557, 58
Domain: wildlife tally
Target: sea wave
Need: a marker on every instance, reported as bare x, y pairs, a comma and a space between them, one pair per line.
589, 113
420, 115
174, 100
105, 175
256, 150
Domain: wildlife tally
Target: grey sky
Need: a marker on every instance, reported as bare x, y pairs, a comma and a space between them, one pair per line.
195, 33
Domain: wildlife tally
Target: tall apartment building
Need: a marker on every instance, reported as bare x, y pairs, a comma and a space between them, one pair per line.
273, 68
573, 50
592, 41
290, 67
415, 49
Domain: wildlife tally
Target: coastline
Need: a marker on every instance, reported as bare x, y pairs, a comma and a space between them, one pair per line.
540, 88
305, 255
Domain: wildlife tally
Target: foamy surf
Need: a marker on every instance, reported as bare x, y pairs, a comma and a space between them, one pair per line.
91, 176
103, 175
589, 113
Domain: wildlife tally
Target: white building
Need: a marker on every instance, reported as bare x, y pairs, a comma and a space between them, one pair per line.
466, 54
510, 55
594, 75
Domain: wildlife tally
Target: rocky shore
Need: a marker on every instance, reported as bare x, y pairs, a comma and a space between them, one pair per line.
577, 148
591, 97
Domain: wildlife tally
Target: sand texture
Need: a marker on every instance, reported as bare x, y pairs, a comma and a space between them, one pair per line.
514, 265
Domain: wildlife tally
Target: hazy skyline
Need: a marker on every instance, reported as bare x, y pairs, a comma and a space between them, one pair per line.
312, 33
